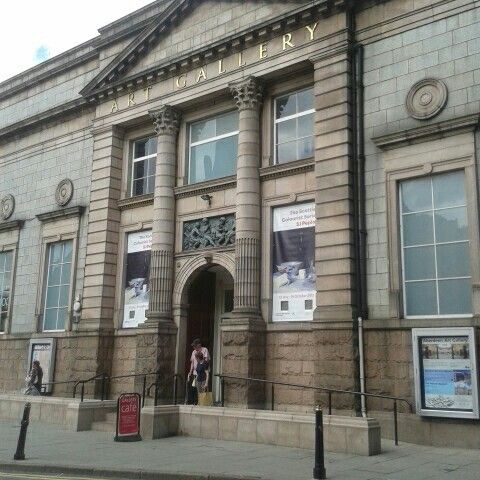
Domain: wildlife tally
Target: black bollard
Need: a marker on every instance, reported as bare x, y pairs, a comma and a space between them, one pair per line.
319, 469
20, 453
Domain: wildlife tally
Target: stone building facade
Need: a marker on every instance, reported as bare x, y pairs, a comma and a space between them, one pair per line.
242, 171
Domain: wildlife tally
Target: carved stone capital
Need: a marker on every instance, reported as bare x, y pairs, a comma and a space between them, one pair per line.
166, 120
247, 93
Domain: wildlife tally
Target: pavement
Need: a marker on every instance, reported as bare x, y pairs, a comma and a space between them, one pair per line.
55, 453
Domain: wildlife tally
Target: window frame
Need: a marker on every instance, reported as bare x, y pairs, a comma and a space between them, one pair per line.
209, 140
136, 160
13, 250
402, 249
46, 286
393, 179
275, 122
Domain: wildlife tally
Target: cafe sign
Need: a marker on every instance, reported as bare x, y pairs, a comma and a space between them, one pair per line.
128, 418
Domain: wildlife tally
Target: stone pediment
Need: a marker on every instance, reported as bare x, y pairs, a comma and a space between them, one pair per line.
190, 32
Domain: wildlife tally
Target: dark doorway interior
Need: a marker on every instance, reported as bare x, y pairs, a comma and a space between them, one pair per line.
201, 315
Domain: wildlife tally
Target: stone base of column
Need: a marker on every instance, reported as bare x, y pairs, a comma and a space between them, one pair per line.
156, 352
243, 342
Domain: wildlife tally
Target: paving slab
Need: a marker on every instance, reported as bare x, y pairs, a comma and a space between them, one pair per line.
53, 450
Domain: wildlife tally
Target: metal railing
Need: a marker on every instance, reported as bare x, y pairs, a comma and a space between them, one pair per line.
46, 384
107, 378
329, 391
157, 383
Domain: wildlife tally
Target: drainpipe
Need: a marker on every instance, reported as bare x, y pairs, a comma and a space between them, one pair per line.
363, 402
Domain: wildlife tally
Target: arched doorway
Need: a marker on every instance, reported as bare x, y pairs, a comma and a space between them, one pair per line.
208, 296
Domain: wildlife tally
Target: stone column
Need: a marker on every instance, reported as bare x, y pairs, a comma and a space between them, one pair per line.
243, 338
156, 341
335, 314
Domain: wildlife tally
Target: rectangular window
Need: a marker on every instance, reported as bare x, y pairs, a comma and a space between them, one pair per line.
435, 246
213, 148
294, 126
143, 166
6, 265
57, 285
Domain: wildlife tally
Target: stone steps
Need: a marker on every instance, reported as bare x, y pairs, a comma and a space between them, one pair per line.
106, 424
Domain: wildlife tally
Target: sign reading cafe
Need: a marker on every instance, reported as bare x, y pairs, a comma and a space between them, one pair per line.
293, 263
139, 245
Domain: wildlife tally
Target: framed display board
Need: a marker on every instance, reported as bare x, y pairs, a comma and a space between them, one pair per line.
43, 350
445, 363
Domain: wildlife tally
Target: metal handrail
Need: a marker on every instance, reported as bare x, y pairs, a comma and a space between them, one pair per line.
329, 391
156, 384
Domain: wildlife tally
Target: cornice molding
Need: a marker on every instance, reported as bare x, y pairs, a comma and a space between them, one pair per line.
61, 214
109, 81
425, 133
48, 115
206, 187
12, 225
135, 202
287, 169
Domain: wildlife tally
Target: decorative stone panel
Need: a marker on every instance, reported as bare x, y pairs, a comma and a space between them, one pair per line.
209, 232
7, 207
64, 192
426, 98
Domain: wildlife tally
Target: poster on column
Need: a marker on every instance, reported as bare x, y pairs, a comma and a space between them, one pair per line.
139, 245
447, 383
293, 263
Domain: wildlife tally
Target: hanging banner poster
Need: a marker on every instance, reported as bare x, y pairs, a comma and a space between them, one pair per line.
446, 373
139, 245
293, 263
43, 350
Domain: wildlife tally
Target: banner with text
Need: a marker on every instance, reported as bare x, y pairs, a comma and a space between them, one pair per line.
139, 245
293, 263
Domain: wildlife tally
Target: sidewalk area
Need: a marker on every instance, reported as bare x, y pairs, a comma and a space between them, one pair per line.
52, 450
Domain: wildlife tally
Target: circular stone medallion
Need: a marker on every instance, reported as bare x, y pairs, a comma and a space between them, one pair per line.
7, 206
64, 192
426, 98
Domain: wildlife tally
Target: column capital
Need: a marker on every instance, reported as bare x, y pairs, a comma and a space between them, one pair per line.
166, 120
247, 93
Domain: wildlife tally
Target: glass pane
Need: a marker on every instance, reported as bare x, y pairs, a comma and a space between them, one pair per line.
451, 224
149, 184
66, 269
67, 251
455, 296
417, 228
226, 123
8, 262
4, 298
286, 106
286, 131
305, 148
54, 274
3, 321
52, 297
62, 318
453, 260
416, 195
421, 298
151, 146
305, 100
139, 170
202, 130
305, 125
152, 162
50, 319
139, 148
56, 251
63, 301
286, 152
419, 263
138, 187
449, 189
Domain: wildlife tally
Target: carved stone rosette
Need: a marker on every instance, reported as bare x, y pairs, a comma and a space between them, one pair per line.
247, 93
426, 98
166, 120
7, 207
64, 192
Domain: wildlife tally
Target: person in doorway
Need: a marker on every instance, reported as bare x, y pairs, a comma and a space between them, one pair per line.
202, 373
35, 379
192, 391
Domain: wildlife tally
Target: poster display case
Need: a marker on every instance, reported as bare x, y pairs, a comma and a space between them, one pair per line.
446, 379
43, 350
